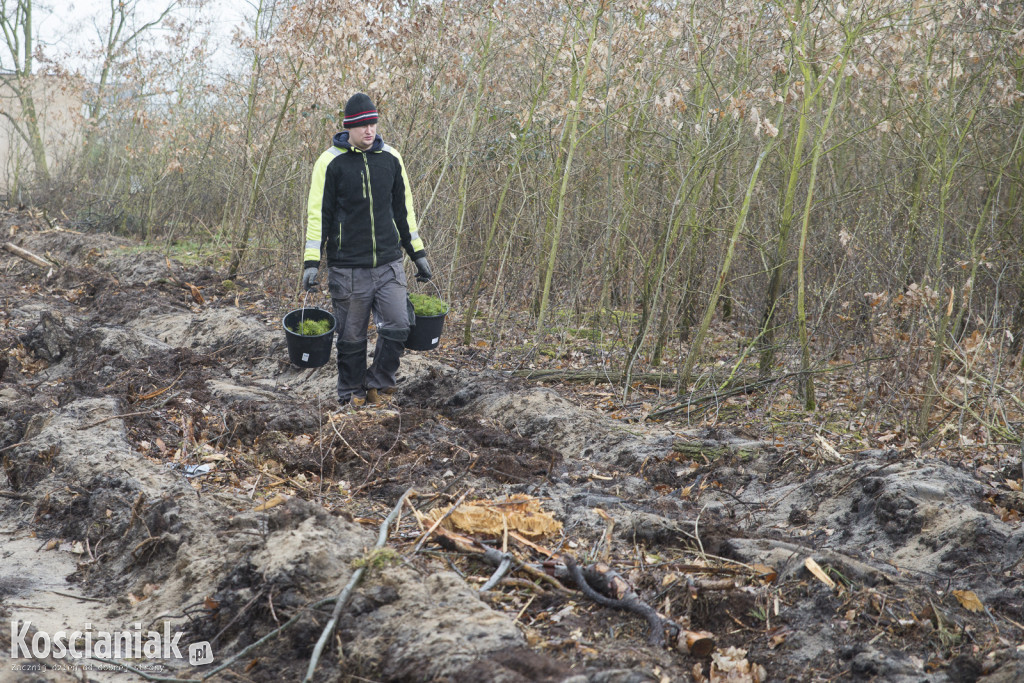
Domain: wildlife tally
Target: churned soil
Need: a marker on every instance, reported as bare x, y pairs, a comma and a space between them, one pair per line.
164, 463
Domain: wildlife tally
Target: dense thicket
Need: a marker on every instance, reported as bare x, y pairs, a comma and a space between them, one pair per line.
840, 182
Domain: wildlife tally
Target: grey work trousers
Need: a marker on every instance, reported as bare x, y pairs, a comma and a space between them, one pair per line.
356, 293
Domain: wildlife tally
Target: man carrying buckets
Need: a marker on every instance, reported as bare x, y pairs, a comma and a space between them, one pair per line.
360, 217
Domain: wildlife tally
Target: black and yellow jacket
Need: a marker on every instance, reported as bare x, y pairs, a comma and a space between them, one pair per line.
360, 212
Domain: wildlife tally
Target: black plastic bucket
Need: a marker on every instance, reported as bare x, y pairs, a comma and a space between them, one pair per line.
425, 333
304, 351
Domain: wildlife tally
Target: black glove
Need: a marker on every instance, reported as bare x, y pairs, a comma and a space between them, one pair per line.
309, 279
423, 273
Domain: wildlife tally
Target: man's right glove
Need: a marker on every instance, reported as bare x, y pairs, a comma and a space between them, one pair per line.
423, 273
309, 278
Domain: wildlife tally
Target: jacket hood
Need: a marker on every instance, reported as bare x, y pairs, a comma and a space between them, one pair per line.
341, 140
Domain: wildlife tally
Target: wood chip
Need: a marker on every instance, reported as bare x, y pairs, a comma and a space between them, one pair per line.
697, 643
273, 502
828, 453
819, 573
518, 513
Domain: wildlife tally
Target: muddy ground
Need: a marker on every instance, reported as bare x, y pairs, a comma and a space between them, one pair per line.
123, 370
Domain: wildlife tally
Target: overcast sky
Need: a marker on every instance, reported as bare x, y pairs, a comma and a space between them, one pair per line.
67, 28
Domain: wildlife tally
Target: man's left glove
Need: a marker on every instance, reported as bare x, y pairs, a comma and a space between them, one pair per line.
423, 273
309, 279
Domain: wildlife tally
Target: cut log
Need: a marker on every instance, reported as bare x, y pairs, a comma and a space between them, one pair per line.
696, 643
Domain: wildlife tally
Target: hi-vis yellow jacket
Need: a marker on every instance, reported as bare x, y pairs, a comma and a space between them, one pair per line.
360, 212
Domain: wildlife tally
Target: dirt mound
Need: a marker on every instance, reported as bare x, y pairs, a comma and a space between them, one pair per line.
165, 461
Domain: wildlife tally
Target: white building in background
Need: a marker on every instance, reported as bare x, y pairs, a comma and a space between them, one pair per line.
60, 109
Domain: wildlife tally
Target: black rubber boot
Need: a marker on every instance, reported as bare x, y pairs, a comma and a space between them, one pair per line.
386, 358
351, 369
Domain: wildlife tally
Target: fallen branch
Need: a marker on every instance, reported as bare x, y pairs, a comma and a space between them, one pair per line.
440, 519
451, 540
715, 397
249, 648
140, 672
699, 643
80, 597
28, 255
657, 625
157, 392
345, 441
454, 541
114, 417
852, 568
726, 391
595, 376
526, 584
541, 575
503, 567
343, 597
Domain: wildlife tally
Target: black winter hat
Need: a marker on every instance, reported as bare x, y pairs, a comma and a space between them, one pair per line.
359, 111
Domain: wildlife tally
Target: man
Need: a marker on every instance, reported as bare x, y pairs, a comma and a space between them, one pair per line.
360, 217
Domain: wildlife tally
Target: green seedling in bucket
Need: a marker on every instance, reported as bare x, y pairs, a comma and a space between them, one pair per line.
312, 328
427, 306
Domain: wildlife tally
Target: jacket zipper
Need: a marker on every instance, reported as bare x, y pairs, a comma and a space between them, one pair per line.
368, 192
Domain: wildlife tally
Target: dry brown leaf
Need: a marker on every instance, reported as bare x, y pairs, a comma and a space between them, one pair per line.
1005, 514
197, 296
778, 637
969, 601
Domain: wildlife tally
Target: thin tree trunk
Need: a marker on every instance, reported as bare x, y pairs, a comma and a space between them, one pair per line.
571, 138
242, 243
723, 274
462, 202
807, 377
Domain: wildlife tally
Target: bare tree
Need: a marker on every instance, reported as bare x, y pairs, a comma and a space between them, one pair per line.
16, 23
117, 40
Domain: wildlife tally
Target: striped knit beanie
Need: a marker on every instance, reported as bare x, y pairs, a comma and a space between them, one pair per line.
359, 111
